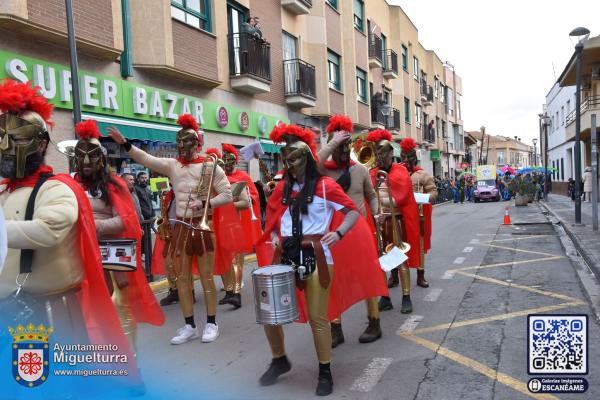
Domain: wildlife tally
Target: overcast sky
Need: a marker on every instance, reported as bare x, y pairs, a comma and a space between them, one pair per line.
509, 53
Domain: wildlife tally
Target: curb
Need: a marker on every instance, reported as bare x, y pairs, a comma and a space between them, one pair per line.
163, 284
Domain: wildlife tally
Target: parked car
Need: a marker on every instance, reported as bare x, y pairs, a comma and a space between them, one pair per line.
486, 190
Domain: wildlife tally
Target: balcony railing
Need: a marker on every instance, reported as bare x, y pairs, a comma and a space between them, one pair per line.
390, 61
375, 47
299, 78
394, 119
590, 102
249, 55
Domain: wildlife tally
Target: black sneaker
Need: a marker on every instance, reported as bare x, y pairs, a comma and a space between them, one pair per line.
406, 305
385, 304
324, 383
279, 366
171, 298
225, 300
337, 335
372, 333
235, 300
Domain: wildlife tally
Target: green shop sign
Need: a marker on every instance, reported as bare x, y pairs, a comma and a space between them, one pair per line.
114, 97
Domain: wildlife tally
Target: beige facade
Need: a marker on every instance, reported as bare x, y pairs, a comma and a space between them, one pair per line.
501, 150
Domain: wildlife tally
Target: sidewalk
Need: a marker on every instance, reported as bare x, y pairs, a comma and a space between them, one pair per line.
585, 239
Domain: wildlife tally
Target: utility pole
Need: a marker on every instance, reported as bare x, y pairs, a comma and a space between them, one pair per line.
73, 62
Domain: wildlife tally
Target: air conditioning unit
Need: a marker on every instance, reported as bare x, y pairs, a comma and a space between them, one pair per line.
596, 72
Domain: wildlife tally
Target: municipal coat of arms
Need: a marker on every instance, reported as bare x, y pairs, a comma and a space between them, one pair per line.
30, 354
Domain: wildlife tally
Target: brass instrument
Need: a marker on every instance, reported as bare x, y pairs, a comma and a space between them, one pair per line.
265, 171
253, 218
383, 177
162, 223
66, 147
365, 154
420, 189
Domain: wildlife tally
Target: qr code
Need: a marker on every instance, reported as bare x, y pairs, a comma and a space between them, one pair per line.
557, 344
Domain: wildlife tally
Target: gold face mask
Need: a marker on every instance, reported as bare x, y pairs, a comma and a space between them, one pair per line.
20, 137
382, 151
229, 162
294, 158
89, 157
187, 143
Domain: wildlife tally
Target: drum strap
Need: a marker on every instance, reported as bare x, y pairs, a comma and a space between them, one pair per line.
27, 254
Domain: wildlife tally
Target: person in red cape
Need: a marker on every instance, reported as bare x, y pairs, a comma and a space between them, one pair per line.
422, 182
189, 175
251, 232
355, 181
65, 282
406, 211
309, 211
115, 218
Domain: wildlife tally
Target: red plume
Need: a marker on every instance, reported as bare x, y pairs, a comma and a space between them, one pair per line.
16, 97
304, 135
215, 151
408, 144
186, 121
339, 123
276, 134
227, 148
88, 130
378, 135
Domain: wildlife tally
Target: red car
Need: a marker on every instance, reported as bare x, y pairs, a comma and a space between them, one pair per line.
486, 190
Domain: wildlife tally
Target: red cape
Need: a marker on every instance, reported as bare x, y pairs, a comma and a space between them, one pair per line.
401, 186
330, 164
252, 229
428, 214
357, 274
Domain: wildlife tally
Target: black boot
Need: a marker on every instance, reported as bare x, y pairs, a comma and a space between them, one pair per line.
225, 300
385, 304
372, 333
235, 300
421, 281
393, 280
279, 366
406, 305
325, 382
337, 335
171, 298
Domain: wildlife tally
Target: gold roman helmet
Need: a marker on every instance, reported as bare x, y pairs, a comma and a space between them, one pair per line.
23, 124
381, 140
188, 137
230, 157
89, 152
299, 145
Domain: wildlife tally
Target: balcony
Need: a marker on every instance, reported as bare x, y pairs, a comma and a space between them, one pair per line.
589, 106
426, 93
429, 133
249, 63
297, 7
390, 64
394, 120
300, 87
378, 120
375, 51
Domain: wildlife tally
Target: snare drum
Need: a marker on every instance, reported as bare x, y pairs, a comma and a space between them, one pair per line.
118, 254
275, 295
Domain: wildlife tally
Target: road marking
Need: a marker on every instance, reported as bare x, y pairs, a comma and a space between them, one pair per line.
449, 274
516, 238
478, 367
521, 250
459, 260
410, 324
467, 249
433, 295
371, 375
522, 287
474, 241
508, 263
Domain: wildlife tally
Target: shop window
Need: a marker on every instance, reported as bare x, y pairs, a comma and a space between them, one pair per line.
195, 13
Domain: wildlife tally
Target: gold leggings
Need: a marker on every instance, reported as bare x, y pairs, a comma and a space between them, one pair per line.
422, 266
183, 269
232, 280
317, 301
123, 308
372, 310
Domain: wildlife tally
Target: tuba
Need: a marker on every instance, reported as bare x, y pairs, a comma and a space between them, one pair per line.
381, 178
363, 152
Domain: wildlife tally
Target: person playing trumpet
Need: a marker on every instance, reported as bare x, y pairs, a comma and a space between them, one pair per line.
354, 179
403, 207
191, 175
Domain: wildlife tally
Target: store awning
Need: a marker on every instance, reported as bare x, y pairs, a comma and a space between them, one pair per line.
434, 155
397, 149
136, 129
270, 147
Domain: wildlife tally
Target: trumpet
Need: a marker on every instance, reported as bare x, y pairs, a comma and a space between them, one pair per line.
382, 177
253, 216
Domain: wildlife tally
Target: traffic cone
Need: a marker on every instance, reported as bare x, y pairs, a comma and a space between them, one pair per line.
506, 218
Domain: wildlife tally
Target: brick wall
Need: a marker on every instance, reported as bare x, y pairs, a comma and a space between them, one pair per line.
336, 102
269, 12
194, 51
93, 18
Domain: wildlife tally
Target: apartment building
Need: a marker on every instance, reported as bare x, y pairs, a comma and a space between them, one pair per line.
142, 63
501, 150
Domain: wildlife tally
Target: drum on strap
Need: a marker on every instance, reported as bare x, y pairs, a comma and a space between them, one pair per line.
275, 295
118, 254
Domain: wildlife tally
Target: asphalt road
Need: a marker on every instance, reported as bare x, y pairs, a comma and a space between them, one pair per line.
466, 338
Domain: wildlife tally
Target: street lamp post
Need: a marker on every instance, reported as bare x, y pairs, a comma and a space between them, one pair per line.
534, 152
73, 61
581, 34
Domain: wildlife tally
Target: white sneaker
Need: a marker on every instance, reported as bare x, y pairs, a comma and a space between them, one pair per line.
185, 334
211, 333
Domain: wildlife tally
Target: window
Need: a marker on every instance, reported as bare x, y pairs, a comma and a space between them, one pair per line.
406, 110
442, 93
361, 85
195, 13
562, 169
500, 158
437, 126
416, 68
458, 112
418, 115
423, 77
450, 104
332, 3
562, 115
444, 133
557, 120
568, 107
404, 58
436, 87
359, 15
387, 95
333, 63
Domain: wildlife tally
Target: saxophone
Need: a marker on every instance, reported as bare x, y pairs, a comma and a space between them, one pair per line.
163, 226
265, 171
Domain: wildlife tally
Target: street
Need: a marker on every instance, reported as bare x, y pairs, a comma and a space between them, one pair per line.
466, 338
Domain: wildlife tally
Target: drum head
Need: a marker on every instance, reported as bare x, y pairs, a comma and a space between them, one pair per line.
273, 270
